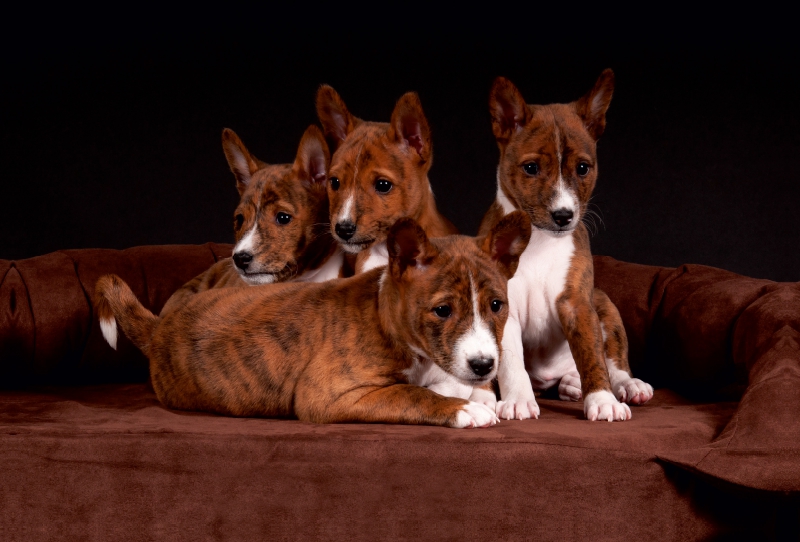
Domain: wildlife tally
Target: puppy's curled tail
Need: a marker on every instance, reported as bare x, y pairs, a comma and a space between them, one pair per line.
115, 302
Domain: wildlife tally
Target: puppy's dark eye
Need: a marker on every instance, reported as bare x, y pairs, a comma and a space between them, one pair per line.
497, 305
443, 311
335, 183
531, 168
582, 169
283, 219
238, 220
382, 186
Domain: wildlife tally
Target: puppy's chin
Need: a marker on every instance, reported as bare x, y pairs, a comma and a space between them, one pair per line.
355, 247
254, 279
548, 230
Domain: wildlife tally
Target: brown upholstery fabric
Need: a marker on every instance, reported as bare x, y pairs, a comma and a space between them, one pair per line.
716, 451
708, 326
47, 329
760, 447
112, 456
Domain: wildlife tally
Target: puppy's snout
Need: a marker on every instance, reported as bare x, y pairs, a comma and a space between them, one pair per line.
481, 366
242, 260
562, 217
345, 230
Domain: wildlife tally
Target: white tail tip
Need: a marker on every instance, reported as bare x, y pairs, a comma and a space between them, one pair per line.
109, 329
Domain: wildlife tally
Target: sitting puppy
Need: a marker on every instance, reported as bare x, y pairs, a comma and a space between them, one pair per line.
379, 173
279, 224
561, 330
351, 350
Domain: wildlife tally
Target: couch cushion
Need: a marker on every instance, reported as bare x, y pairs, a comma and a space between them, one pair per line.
112, 457
48, 331
760, 447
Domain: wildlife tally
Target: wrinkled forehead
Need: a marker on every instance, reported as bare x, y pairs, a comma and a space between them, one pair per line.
367, 142
462, 264
553, 129
274, 184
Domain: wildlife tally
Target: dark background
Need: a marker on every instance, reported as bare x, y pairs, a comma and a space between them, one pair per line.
110, 124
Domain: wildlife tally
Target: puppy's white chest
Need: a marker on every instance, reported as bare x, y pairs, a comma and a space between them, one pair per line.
327, 271
540, 278
378, 256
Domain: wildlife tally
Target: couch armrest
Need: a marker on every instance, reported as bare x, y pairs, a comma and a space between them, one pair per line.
48, 332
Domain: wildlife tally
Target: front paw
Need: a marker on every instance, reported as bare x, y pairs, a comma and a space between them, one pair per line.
633, 391
484, 397
602, 405
518, 410
475, 415
569, 388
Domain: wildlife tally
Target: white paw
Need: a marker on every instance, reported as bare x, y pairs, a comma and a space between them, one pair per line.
633, 391
602, 405
518, 410
569, 389
484, 397
475, 415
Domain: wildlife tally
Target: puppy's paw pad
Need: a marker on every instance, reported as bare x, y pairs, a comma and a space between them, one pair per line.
569, 388
602, 405
633, 391
517, 410
475, 415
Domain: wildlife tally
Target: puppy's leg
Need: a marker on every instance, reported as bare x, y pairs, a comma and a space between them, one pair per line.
401, 403
615, 347
516, 393
485, 395
582, 329
569, 388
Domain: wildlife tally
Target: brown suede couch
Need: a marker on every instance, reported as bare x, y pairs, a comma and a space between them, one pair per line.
88, 453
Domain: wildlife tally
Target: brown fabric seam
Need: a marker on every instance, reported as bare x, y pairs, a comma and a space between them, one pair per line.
30, 307
88, 302
12, 265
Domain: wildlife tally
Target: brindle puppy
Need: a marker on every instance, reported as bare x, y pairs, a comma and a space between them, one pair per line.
280, 223
379, 173
350, 350
561, 331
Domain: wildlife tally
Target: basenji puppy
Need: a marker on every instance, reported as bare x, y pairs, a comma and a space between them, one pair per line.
280, 223
561, 330
379, 173
358, 349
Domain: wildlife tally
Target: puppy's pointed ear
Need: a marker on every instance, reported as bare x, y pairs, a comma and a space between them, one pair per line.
507, 240
336, 120
242, 163
313, 160
508, 109
410, 127
409, 248
593, 106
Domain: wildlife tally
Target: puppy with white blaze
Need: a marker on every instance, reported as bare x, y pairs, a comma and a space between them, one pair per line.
561, 330
360, 349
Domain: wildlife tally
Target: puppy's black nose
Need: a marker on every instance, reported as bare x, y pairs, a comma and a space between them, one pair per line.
345, 230
481, 366
242, 260
562, 217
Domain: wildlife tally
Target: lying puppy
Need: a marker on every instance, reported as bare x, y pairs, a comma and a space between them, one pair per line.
280, 223
561, 330
351, 350
379, 173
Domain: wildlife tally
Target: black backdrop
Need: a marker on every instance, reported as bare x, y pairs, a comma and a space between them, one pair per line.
110, 131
